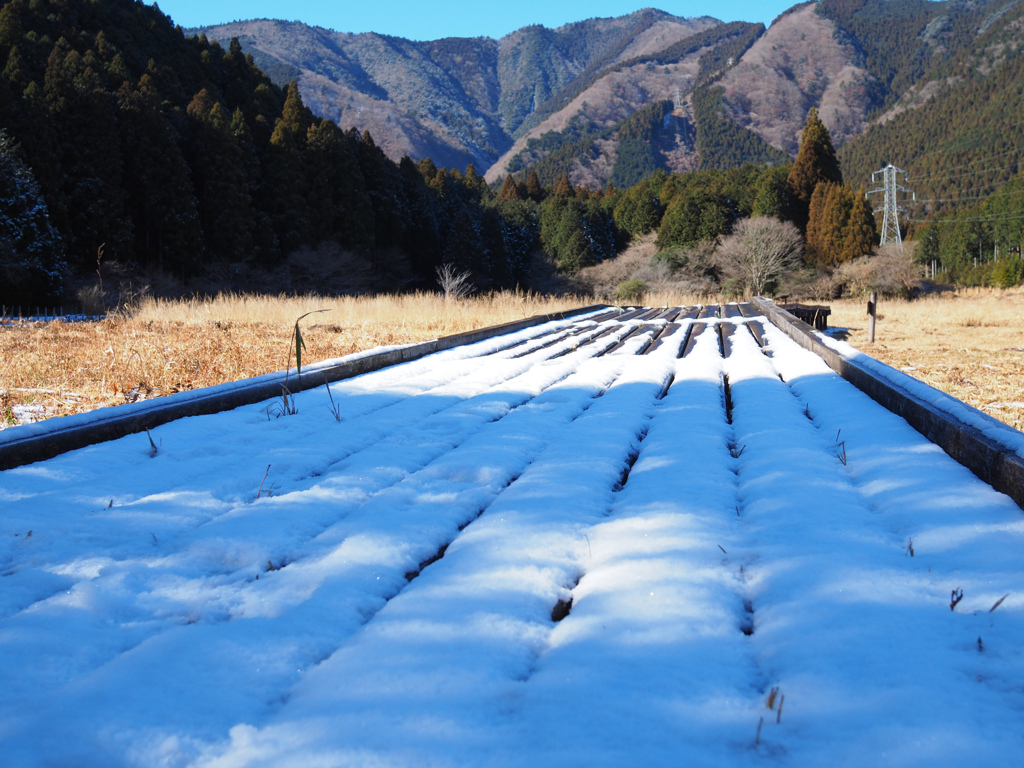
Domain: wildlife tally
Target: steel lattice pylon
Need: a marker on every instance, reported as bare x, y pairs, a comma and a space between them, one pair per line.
891, 220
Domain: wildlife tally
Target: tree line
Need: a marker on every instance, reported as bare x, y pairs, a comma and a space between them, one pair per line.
123, 140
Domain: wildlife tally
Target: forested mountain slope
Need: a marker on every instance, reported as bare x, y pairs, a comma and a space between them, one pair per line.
958, 130
174, 156
456, 100
557, 99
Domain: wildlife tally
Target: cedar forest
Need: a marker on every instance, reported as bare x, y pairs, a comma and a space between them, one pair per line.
124, 141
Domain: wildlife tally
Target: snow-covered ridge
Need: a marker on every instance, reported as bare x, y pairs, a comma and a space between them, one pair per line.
606, 544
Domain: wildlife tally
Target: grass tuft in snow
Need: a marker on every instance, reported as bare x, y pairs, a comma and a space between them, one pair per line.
955, 597
260, 489
334, 407
153, 450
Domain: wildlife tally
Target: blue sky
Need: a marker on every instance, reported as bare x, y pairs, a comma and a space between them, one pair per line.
420, 20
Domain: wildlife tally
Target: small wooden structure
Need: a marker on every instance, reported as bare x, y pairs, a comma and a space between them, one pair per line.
814, 315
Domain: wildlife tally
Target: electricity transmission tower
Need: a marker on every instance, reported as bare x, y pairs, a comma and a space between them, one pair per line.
890, 221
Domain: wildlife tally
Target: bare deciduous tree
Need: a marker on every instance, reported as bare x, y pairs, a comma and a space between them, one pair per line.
454, 283
891, 271
759, 250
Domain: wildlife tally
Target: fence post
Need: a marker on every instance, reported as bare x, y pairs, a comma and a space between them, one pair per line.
872, 311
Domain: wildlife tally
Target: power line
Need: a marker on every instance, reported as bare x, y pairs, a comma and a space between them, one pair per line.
965, 149
958, 219
967, 173
968, 197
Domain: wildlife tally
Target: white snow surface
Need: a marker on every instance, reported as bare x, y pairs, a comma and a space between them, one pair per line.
530, 551
957, 409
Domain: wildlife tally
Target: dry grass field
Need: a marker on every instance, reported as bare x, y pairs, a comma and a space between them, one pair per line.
969, 343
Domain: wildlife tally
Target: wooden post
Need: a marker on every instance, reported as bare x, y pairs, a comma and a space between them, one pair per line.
872, 311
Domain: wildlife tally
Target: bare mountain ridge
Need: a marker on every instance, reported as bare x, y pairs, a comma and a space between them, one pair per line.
799, 63
456, 100
557, 98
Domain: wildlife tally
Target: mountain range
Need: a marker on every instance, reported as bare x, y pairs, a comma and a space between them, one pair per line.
612, 99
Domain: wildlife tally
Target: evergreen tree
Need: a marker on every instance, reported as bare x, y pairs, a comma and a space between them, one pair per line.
861, 236
827, 222
694, 216
534, 190
509, 190
283, 190
564, 187
220, 175
31, 250
816, 162
160, 197
91, 165
637, 210
384, 189
773, 194
422, 237
840, 227
519, 236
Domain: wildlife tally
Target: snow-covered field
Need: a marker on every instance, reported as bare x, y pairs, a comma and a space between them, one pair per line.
537, 550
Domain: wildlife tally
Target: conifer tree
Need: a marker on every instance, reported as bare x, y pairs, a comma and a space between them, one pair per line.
160, 197
637, 211
534, 190
508, 189
773, 194
91, 165
816, 162
296, 118
861, 235
840, 227
283, 189
32, 266
422, 237
694, 215
564, 187
384, 189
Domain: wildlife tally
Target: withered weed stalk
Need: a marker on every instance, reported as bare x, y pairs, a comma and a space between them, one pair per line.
334, 408
260, 489
998, 602
955, 597
153, 450
299, 342
283, 407
286, 406
840, 448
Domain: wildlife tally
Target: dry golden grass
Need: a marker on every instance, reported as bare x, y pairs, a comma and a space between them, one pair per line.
55, 369
969, 343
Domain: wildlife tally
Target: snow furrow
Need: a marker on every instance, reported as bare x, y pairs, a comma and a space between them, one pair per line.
153, 513
831, 612
566, 546
656, 616
467, 633
365, 557
935, 531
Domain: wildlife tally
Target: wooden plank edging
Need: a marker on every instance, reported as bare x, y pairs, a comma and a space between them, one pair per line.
994, 461
50, 438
